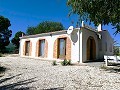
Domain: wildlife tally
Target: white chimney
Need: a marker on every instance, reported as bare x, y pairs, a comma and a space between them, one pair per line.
82, 23
22, 34
99, 28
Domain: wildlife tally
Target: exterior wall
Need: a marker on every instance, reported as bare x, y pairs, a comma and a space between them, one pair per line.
72, 46
106, 44
76, 45
68, 47
85, 35
35, 46
45, 49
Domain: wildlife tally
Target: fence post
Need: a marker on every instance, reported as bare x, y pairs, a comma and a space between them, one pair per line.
106, 61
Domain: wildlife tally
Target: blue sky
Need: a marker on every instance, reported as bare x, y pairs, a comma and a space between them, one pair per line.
24, 13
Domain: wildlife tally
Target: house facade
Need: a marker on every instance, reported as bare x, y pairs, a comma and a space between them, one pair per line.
82, 45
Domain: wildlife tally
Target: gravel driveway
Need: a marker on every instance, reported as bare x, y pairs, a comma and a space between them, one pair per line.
33, 74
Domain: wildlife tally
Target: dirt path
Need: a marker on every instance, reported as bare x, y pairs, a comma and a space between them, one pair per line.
33, 74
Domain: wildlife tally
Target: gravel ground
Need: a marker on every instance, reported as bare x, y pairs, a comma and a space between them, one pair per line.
33, 74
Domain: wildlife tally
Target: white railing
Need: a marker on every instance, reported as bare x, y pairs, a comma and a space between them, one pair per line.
112, 59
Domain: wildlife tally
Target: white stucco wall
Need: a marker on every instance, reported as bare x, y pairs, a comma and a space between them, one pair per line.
85, 35
78, 44
106, 41
74, 37
75, 53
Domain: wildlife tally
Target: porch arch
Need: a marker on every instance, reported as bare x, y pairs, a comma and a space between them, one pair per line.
91, 49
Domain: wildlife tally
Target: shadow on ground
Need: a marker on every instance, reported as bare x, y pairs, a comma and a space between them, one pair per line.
112, 68
16, 85
115, 68
2, 71
58, 88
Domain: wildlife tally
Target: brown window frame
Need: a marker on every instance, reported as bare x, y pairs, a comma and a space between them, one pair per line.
39, 48
26, 47
58, 48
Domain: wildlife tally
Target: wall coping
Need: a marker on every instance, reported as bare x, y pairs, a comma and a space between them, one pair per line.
45, 34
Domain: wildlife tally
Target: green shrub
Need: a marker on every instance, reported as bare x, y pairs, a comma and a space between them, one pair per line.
54, 63
69, 62
104, 67
65, 62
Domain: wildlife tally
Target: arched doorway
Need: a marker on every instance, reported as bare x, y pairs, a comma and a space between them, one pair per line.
91, 49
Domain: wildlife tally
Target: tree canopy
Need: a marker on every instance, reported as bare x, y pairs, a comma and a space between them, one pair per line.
44, 27
5, 33
16, 38
97, 11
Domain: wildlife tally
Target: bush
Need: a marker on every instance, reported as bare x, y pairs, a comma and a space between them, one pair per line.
66, 62
103, 67
69, 62
54, 63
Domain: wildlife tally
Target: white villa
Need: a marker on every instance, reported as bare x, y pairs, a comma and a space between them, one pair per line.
81, 45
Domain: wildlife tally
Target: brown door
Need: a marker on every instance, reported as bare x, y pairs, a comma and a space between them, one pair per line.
62, 48
91, 49
27, 48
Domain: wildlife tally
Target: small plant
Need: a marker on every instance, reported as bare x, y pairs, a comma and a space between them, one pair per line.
69, 62
64, 63
54, 63
104, 67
